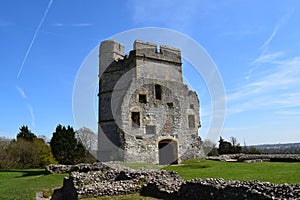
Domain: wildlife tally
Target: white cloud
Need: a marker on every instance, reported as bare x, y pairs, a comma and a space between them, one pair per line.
24, 96
31, 114
276, 88
265, 57
276, 81
21, 91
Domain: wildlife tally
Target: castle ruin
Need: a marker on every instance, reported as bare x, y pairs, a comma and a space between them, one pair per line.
146, 112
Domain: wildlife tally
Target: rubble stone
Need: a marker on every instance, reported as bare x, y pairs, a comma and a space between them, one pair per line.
99, 179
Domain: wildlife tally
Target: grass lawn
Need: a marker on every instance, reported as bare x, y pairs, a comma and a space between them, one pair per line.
23, 184
274, 172
142, 165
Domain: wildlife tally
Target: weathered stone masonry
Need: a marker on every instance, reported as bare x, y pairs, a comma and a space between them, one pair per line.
99, 179
146, 112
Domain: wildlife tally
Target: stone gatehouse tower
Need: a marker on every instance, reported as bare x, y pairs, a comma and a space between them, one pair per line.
146, 112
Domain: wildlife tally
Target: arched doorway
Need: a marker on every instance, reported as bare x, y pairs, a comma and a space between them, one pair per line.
168, 152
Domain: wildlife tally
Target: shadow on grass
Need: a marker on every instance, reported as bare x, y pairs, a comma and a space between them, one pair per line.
189, 166
26, 172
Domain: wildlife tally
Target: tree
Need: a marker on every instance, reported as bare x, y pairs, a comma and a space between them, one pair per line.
26, 134
224, 147
27, 151
43, 152
209, 148
88, 138
22, 154
236, 148
4, 157
65, 147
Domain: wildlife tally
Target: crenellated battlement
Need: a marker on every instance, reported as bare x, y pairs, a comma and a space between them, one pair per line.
153, 51
111, 50
140, 45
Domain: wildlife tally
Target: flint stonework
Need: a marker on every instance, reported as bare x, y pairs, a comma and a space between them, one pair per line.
146, 112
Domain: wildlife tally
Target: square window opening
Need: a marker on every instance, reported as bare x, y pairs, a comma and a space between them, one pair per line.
135, 117
170, 104
142, 98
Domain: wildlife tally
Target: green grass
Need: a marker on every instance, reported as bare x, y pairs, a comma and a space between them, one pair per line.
274, 172
142, 165
23, 184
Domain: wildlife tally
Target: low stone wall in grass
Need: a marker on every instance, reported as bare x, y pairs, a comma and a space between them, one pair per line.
85, 181
83, 167
108, 181
212, 188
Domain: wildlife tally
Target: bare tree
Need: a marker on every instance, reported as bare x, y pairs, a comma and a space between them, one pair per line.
208, 146
233, 141
88, 138
236, 148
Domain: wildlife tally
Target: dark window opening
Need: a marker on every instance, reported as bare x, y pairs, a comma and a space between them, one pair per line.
138, 137
158, 92
192, 106
142, 98
191, 119
150, 129
170, 104
135, 117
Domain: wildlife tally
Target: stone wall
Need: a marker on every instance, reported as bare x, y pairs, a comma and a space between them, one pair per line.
105, 180
173, 117
108, 181
212, 188
171, 122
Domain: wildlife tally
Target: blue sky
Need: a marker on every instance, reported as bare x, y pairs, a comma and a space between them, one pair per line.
255, 44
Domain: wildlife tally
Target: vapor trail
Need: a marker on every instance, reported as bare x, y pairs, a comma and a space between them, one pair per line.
31, 114
33, 38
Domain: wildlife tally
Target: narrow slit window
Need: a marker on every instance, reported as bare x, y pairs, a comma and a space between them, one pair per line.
191, 119
135, 117
157, 92
142, 98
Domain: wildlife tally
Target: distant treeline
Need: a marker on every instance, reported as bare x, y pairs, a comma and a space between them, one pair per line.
233, 147
289, 148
